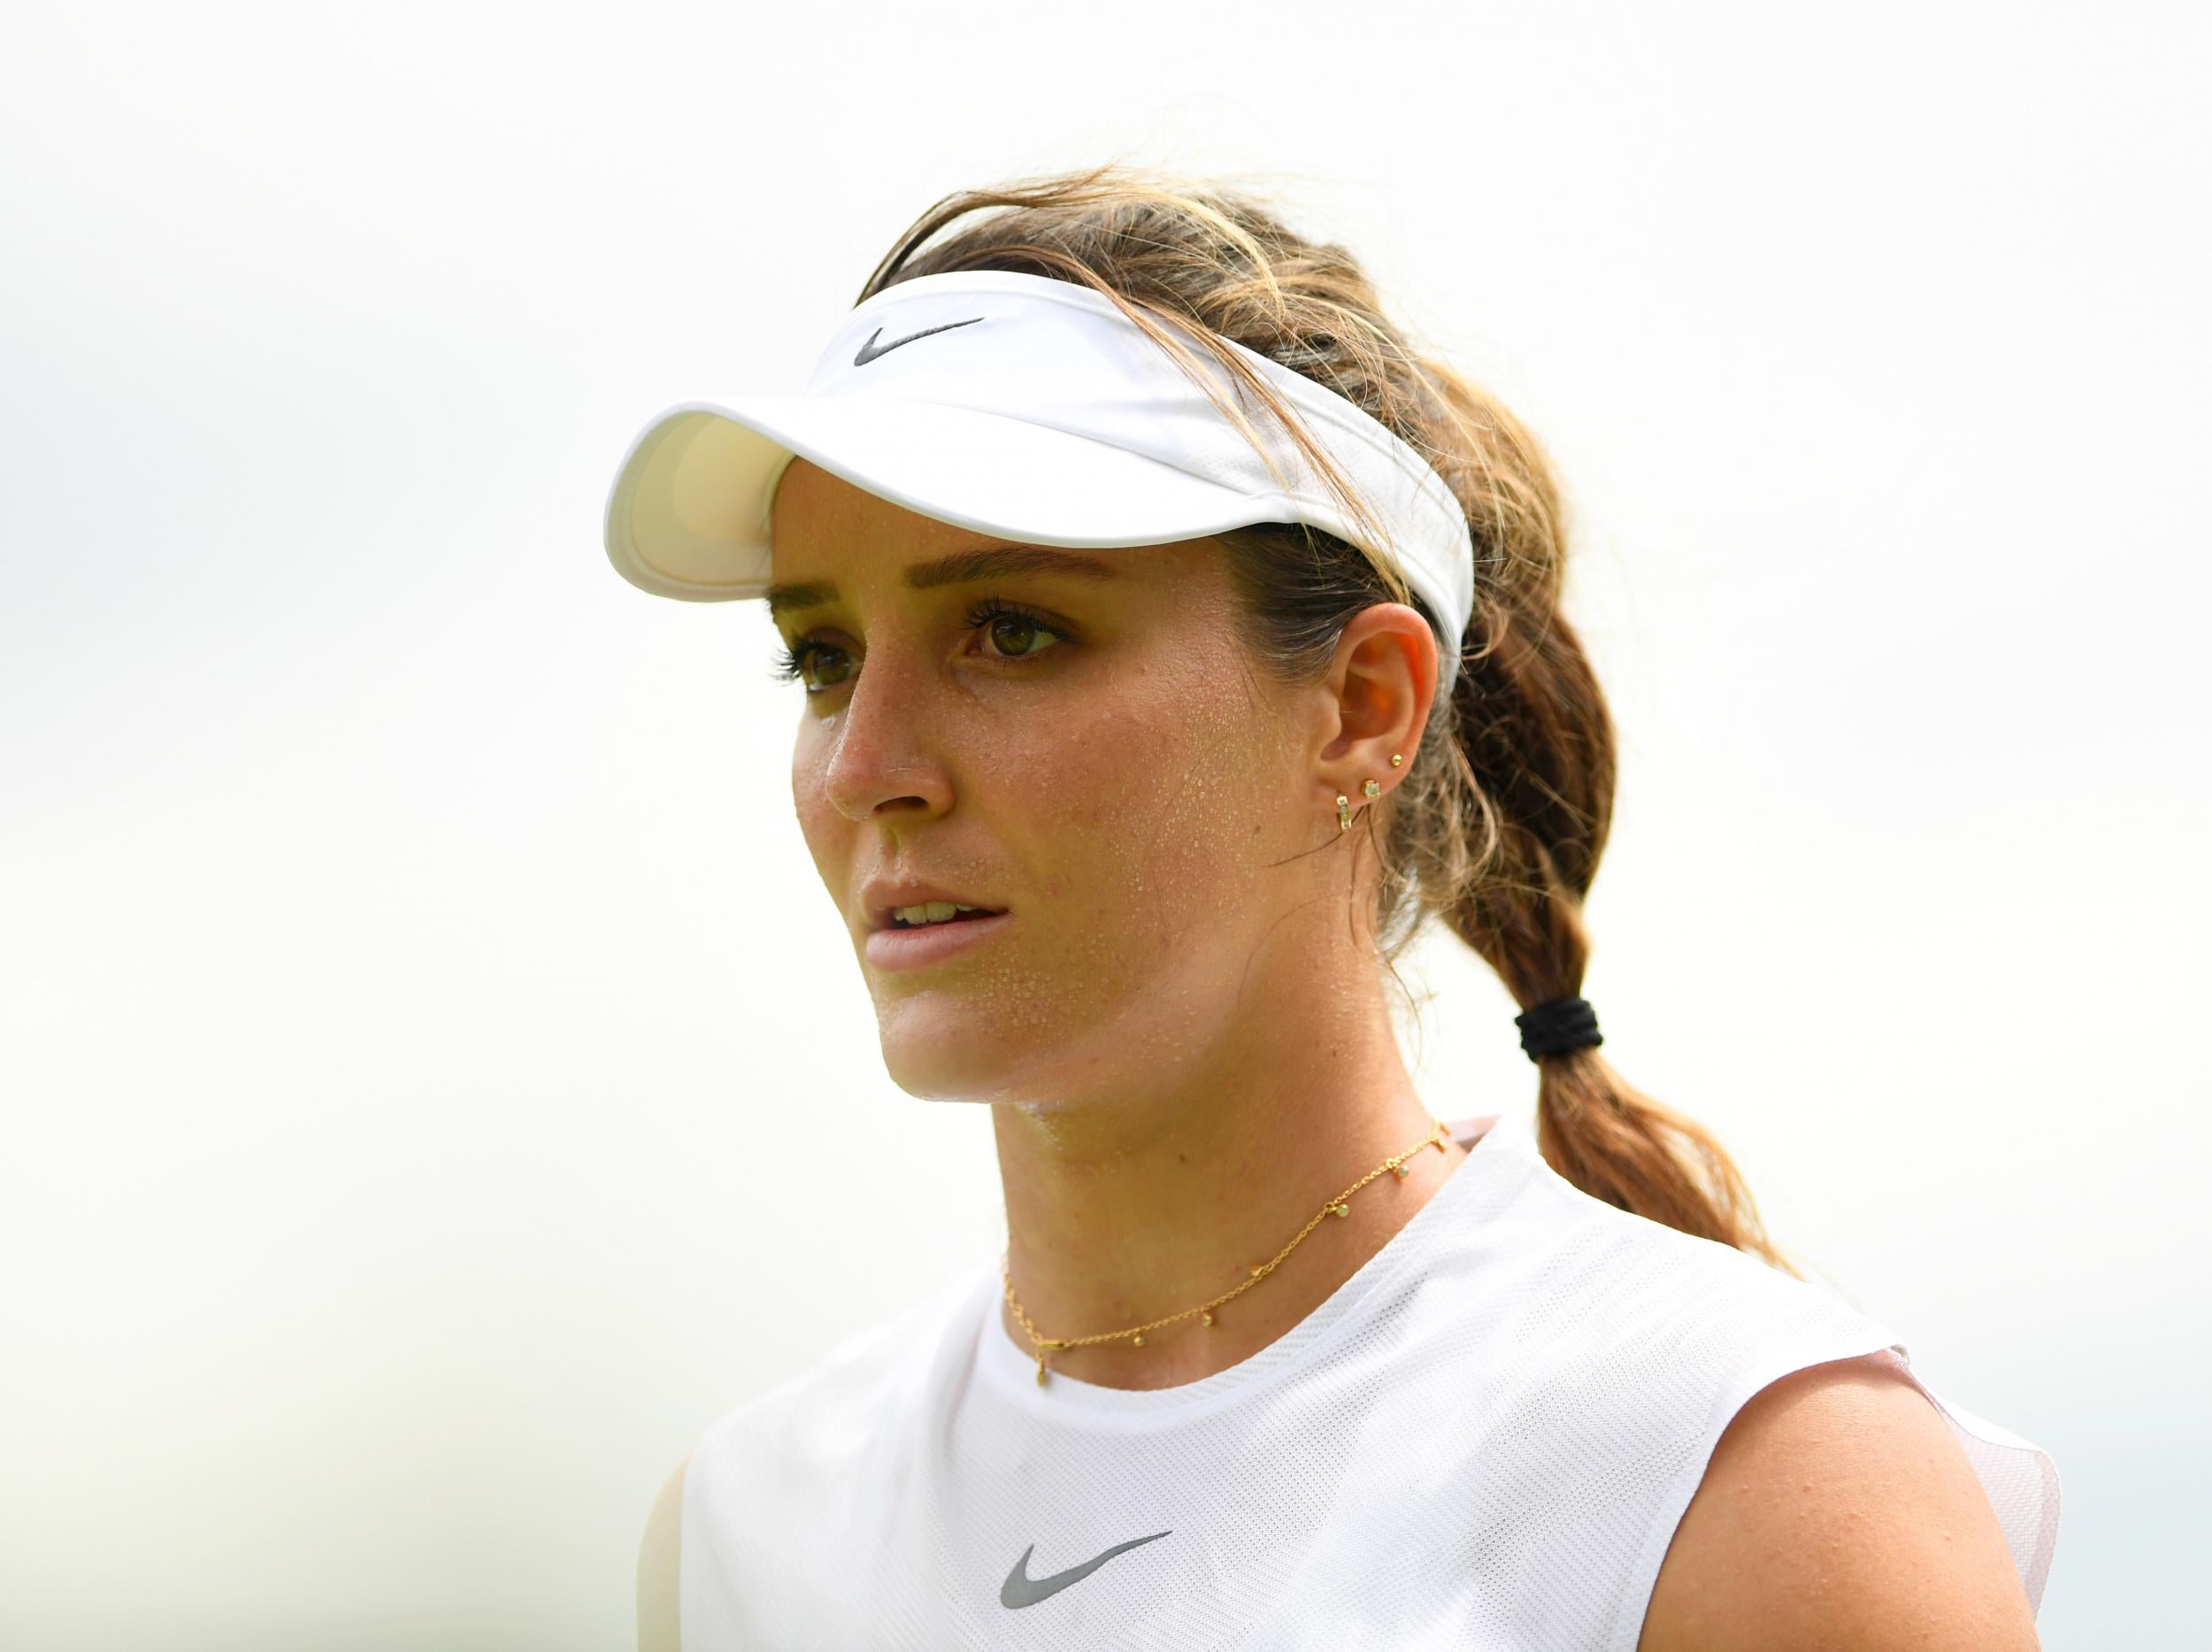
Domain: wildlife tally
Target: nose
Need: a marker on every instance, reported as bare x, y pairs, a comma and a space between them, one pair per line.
883, 761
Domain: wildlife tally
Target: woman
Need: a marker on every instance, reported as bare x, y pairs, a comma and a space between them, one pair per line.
1175, 638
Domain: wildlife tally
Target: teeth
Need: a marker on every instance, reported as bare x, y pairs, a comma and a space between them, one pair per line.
933, 913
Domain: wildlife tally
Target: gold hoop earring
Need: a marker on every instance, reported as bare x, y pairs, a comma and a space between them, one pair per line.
1343, 813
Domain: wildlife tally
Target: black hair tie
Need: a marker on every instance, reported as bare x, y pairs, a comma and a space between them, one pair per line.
1555, 1028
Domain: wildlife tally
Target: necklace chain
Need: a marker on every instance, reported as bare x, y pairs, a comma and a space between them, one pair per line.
1439, 1137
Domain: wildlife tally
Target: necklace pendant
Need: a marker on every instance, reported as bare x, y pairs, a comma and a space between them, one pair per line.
1040, 1369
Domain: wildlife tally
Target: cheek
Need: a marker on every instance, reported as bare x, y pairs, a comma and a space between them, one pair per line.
1151, 814
828, 834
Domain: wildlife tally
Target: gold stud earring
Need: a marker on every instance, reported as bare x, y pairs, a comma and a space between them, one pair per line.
1396, 757
1371, 788
1343, 813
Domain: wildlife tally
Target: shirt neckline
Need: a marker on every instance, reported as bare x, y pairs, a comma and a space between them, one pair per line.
1011, 1366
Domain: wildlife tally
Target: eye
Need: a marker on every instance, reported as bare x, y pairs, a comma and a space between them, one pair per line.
1012, 629
792, 663
1015, 633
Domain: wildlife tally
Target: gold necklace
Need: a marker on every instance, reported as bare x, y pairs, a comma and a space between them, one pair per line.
1133, 1335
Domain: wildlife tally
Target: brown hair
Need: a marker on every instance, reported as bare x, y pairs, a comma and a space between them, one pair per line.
1499, 823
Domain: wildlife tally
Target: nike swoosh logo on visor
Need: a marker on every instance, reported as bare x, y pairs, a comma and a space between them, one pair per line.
870, 350
1020, 1589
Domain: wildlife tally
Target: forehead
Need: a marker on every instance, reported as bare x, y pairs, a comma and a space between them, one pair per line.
823, 528
818, 514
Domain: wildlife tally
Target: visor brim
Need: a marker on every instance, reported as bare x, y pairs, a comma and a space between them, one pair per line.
688, 515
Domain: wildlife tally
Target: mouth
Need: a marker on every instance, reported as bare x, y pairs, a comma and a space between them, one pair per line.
934, 915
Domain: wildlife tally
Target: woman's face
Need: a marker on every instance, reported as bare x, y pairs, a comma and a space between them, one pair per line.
1081, 745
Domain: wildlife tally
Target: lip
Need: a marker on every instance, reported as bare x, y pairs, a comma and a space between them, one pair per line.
881, 898
894, 950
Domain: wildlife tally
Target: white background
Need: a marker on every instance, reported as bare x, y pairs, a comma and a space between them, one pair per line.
435, 1087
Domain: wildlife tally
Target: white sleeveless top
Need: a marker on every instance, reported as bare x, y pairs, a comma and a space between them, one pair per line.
1484, 1438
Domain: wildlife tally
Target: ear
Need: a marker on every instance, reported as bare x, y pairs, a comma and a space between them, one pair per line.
1380, 686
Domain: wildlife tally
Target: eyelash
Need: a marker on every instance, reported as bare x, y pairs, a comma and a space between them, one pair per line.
789, 664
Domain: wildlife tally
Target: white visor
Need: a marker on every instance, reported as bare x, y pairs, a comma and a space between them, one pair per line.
1031, 410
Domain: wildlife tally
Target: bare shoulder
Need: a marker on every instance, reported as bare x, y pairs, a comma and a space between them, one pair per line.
1839, 1512
656, 1566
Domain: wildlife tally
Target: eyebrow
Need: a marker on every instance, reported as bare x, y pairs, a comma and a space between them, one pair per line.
989, 562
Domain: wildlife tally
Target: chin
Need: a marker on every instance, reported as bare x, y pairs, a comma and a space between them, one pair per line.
939, 1048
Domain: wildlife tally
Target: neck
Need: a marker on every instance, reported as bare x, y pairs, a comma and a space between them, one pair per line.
1129, 1208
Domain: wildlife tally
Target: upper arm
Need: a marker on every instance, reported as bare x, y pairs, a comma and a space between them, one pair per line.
1839, 1512
656, 1566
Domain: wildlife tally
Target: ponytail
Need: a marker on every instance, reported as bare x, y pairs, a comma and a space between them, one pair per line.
1538, 739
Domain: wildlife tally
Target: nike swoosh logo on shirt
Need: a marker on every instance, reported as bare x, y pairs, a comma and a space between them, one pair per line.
1020, 1589
870, 350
